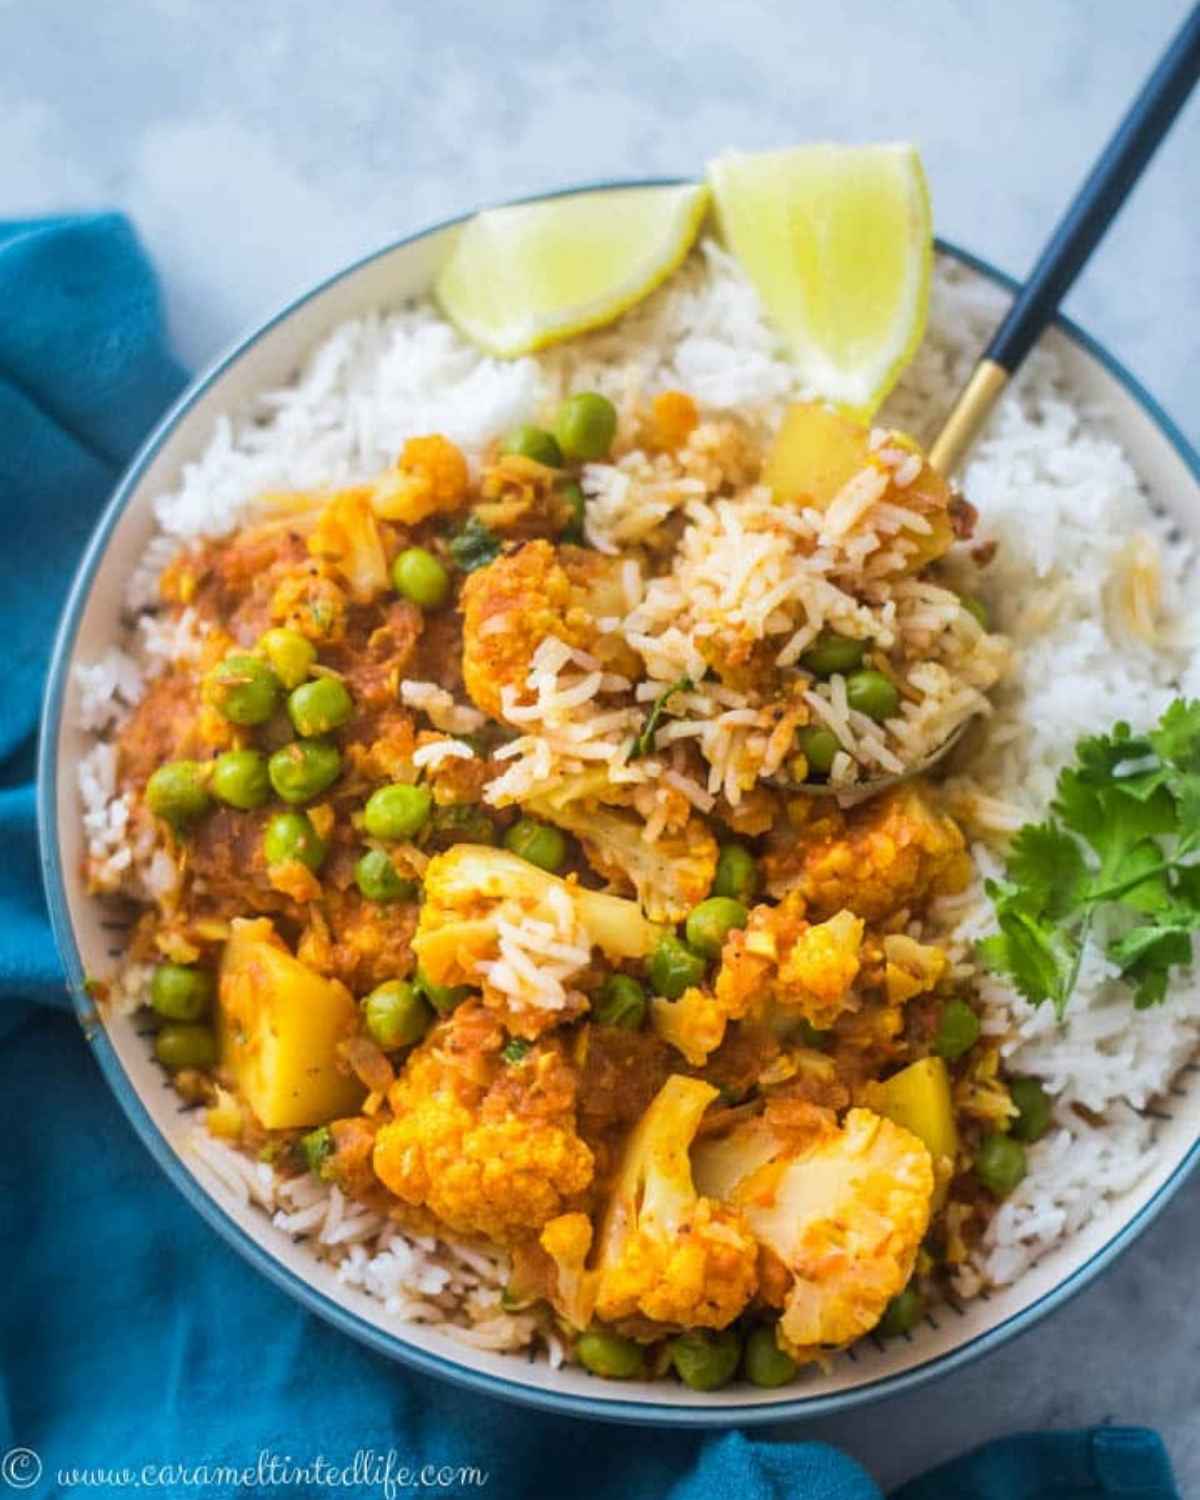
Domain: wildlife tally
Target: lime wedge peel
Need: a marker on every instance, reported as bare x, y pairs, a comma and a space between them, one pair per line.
533, 274
838, 242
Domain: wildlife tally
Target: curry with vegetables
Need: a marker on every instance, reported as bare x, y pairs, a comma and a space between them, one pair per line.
497, 894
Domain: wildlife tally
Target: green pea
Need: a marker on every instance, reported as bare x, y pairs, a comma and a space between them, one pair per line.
178, 792
737, 874
443, 997
674, 967
976, 607
610, 1355
290, 836
290, 654
460, 823
706, 1361
1000, 1163
397, 811
319, 706
766, 1364
304, 769
710, 923
540, 843
417, 575
871, 693
396, 1015
243, 689
186, 1046
1034, 1104
818, 746
534, 442
378, 879
317, 1147
573, 498
239, 777
958, 1030
621, 1002
831, 653
902, 1314
516, 1050
181, 992
586, 425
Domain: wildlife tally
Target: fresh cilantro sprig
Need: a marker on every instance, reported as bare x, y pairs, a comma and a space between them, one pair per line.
1124, 833
643, 743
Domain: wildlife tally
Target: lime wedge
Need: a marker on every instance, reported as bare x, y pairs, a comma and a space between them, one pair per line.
838, 243
523, 277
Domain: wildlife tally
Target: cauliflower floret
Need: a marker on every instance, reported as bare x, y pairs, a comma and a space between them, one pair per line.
664, 1252
515, 603
346, 537
567, 1240
895, 851
777, 962
844, 1211
470, 887
430, 478
670, 876
484, 1148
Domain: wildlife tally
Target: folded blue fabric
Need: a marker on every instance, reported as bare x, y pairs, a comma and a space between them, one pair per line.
130, 1335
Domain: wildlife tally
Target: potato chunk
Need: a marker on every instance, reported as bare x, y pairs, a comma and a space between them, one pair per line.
279, 1025
819, 450
918, 1098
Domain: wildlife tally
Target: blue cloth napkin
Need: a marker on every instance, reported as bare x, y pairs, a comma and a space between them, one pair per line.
130, 1335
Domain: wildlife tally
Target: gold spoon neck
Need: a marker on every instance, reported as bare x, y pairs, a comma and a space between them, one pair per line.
968, 415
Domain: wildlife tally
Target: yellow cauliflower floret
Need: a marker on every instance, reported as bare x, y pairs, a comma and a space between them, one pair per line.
346, 538
670, 876
472, 888
694, 1024
777, 963
911, 968
567, 1241
894, 851
526, 596
665, 1253
501, 1177
312, 603
430, 478
844, 1214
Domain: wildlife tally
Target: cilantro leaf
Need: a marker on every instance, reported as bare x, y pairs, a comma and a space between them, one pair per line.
1048, 864
1134, 801
1040, 958
1145, 955
1177, 743
475, 545
1177, 738
644, 742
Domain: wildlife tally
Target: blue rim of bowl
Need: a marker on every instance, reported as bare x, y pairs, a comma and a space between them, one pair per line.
393, 1346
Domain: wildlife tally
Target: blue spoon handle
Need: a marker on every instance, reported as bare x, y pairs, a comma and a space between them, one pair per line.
1100, 198
1077, 234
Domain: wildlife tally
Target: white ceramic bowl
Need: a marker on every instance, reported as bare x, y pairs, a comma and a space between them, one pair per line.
88, 946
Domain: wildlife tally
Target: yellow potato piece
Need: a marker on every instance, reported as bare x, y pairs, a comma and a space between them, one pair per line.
818, 450
279, 1026
918, 1098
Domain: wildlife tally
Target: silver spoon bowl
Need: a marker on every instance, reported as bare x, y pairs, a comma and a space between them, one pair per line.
863, 791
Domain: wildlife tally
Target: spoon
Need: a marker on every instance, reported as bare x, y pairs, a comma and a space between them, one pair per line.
1077, 234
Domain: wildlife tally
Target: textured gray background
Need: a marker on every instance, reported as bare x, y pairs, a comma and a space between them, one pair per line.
258, 146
